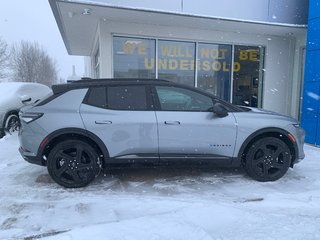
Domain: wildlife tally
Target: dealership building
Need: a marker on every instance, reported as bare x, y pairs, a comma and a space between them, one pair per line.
247, 52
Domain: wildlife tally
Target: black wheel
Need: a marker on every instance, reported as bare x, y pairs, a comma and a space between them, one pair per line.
12, 123
73, 163
268, 159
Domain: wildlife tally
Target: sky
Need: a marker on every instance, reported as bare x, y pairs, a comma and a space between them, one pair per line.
33, 20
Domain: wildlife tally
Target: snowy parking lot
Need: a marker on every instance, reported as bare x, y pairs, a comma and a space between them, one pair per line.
154, 204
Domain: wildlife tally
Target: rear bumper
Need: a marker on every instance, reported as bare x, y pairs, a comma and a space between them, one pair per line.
29, 157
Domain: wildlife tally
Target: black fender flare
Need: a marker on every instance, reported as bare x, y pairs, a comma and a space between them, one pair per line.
73, 131
283, 134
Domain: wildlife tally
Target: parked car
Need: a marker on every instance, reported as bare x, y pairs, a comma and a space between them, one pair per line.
13, 96
88, 125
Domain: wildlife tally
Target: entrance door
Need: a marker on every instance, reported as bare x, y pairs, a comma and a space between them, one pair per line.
248, 76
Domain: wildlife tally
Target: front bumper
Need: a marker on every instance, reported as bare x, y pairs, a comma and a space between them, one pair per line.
299, 135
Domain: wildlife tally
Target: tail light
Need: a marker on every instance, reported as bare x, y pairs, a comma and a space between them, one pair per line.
29, 117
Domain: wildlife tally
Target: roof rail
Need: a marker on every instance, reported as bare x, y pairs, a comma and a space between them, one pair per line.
59, 88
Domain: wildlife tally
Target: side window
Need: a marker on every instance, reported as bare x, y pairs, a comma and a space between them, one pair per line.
127, 98
97, 97
180, 99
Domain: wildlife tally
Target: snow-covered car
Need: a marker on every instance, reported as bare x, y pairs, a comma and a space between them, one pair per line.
13, 96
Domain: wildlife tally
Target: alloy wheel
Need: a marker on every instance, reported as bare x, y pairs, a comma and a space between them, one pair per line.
73, 163
268, 159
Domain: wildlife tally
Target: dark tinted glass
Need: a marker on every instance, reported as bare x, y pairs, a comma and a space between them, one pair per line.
127, 98
97, 97
248, 76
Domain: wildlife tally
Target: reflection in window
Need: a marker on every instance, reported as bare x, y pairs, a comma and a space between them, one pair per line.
180, 99
247, 77
214, 69
133, 58
176, 61
97, 64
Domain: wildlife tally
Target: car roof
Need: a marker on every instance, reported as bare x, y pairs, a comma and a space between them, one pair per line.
85, 83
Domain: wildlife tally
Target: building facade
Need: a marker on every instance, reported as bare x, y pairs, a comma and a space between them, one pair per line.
311, 96
247, 52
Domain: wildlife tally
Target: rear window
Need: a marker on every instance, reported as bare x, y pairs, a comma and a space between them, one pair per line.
118, 97
127, 98
97, 97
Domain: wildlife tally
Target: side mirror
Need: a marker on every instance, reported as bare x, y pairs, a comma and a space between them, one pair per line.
25, 99
219, 110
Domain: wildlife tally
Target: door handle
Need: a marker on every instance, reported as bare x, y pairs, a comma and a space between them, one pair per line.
171, 122
103, 122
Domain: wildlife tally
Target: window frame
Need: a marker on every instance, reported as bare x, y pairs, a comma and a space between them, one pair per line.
149, 100
157, 103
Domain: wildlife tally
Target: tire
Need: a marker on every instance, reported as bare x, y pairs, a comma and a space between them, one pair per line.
12, 123
73, 163
267, 159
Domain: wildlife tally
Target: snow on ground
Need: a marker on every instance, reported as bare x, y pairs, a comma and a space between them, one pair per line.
157, 204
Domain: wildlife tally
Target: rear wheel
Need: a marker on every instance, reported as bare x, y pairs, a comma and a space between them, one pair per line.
73, 163
267, 159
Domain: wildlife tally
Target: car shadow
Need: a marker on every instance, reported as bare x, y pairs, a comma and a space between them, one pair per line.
167, 180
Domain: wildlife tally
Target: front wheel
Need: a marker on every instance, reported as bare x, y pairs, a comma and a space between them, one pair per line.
12, 123
267, 159
73, 163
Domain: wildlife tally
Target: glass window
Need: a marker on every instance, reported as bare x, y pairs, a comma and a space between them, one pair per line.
180, 99
97, 97
127, 98
248, 76
133, 57
214, 69
176, 61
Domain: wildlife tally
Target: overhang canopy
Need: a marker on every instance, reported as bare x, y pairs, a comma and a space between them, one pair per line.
78, 22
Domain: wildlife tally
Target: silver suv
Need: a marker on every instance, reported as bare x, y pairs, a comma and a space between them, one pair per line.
89, 125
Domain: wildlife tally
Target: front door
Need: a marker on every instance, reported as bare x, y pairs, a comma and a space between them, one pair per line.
189, 129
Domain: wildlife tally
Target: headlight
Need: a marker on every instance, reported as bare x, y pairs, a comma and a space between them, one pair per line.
29, 117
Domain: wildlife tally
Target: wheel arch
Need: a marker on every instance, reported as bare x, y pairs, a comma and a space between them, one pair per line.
14, 111
268, 132
55, 137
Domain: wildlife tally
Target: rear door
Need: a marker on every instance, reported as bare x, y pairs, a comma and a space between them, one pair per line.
188, 129
123, 118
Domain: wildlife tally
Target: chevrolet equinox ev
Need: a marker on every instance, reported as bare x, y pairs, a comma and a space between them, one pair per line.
88, 125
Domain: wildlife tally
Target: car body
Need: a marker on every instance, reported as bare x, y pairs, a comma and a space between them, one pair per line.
13, 96
91, 124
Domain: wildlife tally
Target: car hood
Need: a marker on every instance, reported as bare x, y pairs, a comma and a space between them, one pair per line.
8, 103
251, 111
